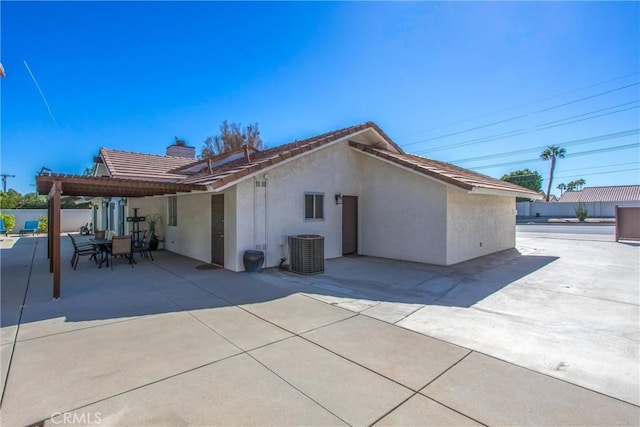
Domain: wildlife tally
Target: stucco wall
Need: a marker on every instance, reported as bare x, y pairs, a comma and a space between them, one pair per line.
149, 206
192, 234
401, 213
329, 171
478, 225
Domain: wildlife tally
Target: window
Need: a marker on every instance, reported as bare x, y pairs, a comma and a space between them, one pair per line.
173, 211
313, 206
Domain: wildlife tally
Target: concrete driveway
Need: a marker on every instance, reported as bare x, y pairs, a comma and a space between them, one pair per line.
565, 305
165, 343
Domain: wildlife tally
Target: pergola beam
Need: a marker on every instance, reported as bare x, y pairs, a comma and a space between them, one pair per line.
57, 185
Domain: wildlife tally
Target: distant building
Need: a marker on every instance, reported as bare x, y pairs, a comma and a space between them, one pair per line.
600, 202
615, 193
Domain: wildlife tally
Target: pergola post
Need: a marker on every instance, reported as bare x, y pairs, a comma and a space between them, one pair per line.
49, 236
54, 234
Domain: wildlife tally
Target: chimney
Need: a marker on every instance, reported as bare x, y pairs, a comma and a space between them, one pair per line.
247, 158
181, 149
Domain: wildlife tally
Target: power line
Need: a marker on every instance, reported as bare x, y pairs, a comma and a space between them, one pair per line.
588, 118
582, 153
464, 131
598, 138
578, 169
585, 98
511, 133
525, 104
586, 114
474, 141
600, 173
525, 115
599, 167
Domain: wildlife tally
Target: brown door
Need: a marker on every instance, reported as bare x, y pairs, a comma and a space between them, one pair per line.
217, 229
349, 225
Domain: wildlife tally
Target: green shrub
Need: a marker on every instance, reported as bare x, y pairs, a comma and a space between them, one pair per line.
581, 211
44, 224
9, 221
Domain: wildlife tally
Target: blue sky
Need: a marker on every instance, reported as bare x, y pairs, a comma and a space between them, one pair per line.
451, 81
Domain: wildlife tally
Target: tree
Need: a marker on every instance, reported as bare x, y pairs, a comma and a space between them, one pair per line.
552, 153
90, 170
525, 178
10, 200
576, 185
231, 137
33, 201
561, 187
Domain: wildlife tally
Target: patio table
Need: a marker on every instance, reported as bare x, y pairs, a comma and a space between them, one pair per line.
104, 245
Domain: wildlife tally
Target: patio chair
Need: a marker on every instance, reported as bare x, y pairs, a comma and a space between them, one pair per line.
3, 229
121, 245
83, 250
85, 230
30, 227
142, 246
99, 234
109, 234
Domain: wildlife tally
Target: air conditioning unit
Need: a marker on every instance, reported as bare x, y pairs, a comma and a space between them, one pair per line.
307, 253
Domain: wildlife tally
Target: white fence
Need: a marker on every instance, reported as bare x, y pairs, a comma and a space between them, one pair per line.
566, 210
72, 219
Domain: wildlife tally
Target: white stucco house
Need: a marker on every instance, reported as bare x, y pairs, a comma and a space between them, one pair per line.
354, 186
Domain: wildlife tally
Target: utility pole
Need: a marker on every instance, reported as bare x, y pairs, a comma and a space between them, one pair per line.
4, 181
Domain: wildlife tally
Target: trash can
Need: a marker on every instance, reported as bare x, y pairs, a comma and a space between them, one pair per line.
252, 261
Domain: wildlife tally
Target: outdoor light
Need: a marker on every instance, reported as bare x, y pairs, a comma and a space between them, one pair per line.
123, 202
338, 199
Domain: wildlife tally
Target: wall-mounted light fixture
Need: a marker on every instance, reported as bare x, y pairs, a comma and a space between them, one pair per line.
338, 198
122, 202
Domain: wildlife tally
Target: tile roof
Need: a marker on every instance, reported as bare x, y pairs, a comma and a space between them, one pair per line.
150, 167
446, 172
130, 165
616, 193
237, 169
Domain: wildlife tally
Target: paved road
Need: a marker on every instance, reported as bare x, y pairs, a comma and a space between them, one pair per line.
608, 229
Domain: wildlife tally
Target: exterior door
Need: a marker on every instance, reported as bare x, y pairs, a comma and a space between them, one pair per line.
349, 225
217, 229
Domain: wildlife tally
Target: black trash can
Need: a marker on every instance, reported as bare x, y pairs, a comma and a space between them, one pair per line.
253, 261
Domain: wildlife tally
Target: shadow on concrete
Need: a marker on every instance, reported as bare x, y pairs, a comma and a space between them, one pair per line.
629, 243
384, 280
173, 283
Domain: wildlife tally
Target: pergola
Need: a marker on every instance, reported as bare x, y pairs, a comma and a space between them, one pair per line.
54, 186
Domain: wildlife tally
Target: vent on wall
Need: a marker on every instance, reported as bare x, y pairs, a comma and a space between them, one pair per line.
307, 254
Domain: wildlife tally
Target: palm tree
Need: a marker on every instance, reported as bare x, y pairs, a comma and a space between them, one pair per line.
561, 187
551, 153
580, 182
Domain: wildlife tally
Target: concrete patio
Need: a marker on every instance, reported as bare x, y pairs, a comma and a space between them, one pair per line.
164, 343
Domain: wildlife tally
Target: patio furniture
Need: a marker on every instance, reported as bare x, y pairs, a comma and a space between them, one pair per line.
85, 230
121, 245
109, 234
104, 246
99, 234
142, 246
82, 250
30, 227
3, 229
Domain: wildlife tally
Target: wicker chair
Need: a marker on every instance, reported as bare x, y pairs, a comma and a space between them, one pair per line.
121, 245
